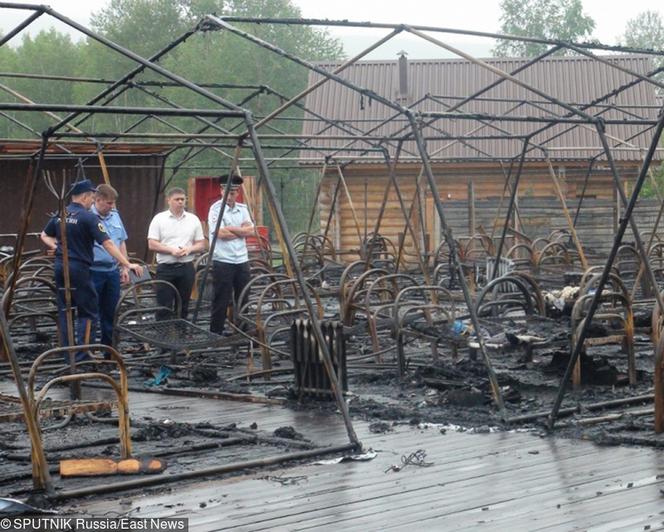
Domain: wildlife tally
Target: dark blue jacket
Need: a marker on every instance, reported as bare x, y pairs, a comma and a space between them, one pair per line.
84, 228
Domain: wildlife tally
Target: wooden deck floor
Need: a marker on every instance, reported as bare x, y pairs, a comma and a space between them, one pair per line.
496, 481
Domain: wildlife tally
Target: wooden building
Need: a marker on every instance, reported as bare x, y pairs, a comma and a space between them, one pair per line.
475, 155
135, 171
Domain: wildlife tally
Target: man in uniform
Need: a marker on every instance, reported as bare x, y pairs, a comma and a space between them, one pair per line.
230, 259
175, 235
106, 275
83, 229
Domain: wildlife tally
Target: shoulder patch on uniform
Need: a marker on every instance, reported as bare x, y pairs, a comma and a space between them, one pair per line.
101, 227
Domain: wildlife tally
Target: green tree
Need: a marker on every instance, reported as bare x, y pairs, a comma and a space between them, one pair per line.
7, 64
7, 56
220, 57
208, 57
309, 43
143, 26
547, 19
49, 52
646, 30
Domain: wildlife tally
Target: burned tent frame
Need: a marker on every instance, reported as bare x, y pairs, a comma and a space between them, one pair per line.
362, 144
574, 116
229, 110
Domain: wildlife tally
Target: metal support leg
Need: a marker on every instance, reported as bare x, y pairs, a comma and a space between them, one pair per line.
510, 208
270, 194
495, 389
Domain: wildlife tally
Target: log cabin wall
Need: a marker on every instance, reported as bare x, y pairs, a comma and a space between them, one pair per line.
539, 216
539, 205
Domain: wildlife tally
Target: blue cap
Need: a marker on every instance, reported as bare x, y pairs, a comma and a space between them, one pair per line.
81, 187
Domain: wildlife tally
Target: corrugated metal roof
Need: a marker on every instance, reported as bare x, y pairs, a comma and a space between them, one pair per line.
436, 85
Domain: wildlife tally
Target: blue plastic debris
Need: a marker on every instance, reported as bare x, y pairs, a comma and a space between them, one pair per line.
160, 378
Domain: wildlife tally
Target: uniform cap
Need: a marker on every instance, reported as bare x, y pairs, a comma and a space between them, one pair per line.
81, 187
236, 181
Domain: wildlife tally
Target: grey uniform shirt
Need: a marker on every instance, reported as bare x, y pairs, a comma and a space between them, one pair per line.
230, 251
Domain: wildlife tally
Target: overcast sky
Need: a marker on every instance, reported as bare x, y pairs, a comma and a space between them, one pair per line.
477, 15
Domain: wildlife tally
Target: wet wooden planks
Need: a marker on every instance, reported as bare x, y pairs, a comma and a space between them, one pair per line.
498, 481
198, 410
319, 427
465, 492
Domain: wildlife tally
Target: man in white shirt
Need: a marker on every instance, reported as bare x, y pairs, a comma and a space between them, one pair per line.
176, 236
230, 259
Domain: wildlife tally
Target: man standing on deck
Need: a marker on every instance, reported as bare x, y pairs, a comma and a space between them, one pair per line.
176, 236
230, 259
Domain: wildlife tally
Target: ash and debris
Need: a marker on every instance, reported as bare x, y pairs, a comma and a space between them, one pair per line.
447, 391
182, 445
443, 389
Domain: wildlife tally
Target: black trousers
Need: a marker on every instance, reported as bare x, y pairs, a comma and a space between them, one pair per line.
181, 276
83, 301
228, 280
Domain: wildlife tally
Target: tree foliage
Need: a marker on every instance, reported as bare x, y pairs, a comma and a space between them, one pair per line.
48, 52
546, 19
211, 57
146, 27
646, 30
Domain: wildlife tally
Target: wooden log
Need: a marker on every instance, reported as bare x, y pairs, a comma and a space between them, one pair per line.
134, 466
92, 467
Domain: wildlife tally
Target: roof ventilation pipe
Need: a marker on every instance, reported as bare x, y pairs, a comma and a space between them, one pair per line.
402, 94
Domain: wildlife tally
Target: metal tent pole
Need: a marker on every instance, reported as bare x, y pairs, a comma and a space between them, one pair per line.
510, 208
627, 215
495, 388
279, 219
29, 199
